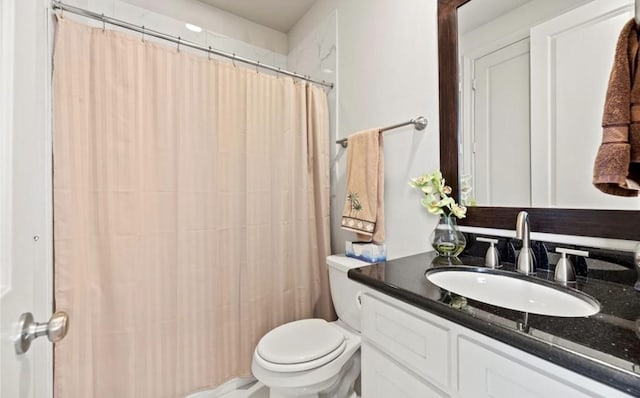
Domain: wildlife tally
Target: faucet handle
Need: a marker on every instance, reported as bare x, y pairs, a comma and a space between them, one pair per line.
564, 268
491, 259
488, 240
574, 252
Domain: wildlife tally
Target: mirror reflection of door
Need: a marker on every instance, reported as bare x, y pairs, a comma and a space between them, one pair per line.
501, 141
546, 63
573, 55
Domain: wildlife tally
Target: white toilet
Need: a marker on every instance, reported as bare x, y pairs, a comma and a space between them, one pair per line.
313, 358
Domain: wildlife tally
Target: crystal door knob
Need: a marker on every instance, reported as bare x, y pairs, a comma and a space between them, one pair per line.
55, 330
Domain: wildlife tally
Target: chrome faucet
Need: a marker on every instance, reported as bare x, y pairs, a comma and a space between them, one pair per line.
526, 263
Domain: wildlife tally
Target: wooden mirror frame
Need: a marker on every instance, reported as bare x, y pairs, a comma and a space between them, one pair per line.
616, 224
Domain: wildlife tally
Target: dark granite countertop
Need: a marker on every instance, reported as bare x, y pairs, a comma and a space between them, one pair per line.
604, 347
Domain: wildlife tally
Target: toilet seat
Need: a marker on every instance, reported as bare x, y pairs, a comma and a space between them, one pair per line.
299, 346
307, 382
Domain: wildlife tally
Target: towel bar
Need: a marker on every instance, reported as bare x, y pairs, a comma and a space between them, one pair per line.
420, 123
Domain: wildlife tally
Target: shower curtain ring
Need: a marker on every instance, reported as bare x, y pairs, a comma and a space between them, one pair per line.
209, 53
103, 24
179, 38
257, 64
278, 73
233, 60
59, 10
143, 33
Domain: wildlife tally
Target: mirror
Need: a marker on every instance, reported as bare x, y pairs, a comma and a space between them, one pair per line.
533, 83
561, 217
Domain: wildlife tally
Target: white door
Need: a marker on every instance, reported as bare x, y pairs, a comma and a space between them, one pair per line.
25, 194
501, 166
571, 61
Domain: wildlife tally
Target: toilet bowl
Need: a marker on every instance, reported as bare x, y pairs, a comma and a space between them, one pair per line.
313, 358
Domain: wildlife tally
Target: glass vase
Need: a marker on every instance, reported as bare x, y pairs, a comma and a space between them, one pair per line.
446, 238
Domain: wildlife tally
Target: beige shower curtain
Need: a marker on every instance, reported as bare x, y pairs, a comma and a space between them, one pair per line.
191, 214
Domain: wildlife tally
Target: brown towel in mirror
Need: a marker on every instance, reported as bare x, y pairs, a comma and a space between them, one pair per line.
617, 166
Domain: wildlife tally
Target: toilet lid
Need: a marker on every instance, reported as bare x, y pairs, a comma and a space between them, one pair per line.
300, 342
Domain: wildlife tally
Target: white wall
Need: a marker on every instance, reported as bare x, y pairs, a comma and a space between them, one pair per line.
315, 55
313, 18
388, 73
313, 52
195, 12
221, 30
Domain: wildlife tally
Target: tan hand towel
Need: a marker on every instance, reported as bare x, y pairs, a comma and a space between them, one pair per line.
364, 207
617, 166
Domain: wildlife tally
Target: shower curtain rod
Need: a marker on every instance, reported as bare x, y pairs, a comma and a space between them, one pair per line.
58, 5
419, 123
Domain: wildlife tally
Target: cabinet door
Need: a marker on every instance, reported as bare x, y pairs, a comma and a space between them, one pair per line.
486, 372
420, 344
382, 377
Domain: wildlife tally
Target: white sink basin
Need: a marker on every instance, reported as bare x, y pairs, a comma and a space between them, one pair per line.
514, 291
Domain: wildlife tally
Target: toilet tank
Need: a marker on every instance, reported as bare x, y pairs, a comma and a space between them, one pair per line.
345, 292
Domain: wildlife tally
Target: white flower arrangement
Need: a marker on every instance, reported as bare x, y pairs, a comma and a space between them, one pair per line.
436, 195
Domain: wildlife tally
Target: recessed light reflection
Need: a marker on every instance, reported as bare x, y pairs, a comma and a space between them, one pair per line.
193, 28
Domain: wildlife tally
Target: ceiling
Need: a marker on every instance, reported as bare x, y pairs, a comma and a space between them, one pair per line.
477, 13
280, 15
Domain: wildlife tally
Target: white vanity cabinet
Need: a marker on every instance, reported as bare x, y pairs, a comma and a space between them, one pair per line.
402, 353
383, 377
409, 352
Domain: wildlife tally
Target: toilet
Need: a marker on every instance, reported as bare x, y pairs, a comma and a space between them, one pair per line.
313, 358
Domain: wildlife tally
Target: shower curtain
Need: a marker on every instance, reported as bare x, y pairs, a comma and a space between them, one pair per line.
191, 214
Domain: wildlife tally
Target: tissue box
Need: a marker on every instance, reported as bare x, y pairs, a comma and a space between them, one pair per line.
366, 251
